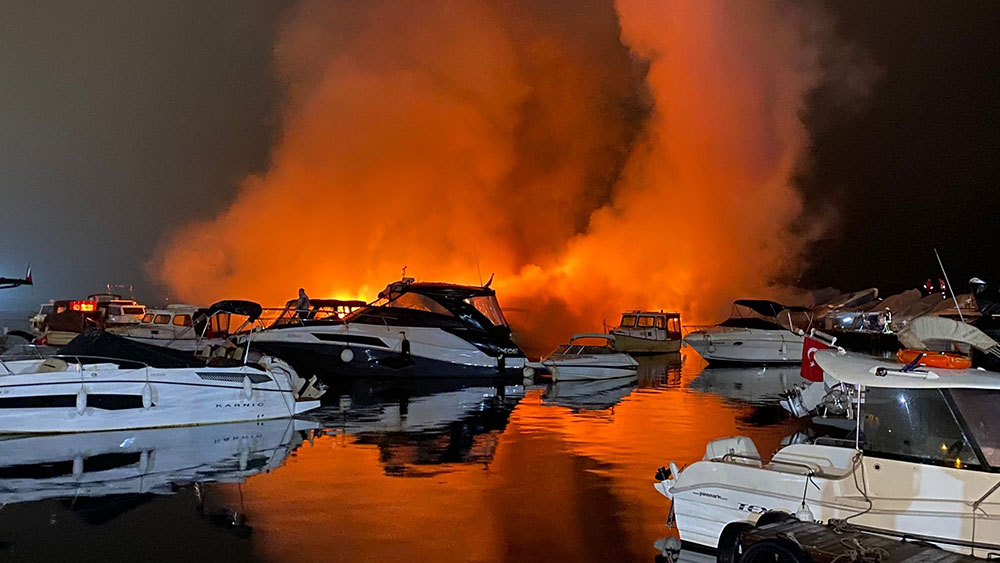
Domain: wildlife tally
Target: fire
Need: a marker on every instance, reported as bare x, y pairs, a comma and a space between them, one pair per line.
596, 159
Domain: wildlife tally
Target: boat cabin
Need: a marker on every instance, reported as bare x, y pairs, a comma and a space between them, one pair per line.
586, 345
647, 321
321, 311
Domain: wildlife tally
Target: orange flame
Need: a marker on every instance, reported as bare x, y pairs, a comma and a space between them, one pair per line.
595, 160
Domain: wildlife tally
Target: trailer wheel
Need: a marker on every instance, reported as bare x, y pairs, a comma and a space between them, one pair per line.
730, 546
772, 516
774, 551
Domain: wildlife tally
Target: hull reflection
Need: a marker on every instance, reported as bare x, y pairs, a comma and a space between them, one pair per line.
150, 461
422, 423
589, 395
755, 385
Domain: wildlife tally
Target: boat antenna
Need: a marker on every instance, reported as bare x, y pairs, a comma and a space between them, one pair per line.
475, 252
953, 298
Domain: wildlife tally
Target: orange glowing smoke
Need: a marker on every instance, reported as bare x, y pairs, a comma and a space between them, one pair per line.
595, 157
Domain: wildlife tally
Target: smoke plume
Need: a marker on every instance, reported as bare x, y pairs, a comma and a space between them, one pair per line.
596, 157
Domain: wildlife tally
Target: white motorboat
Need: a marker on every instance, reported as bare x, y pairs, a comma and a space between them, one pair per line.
104, 382
151, 460
648, 332
423, 329
191, 328
595, 360
923, 461
750, 339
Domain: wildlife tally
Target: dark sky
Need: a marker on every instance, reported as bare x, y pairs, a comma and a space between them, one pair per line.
121, 120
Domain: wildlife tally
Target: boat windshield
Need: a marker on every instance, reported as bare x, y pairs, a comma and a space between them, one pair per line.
920, 425
489, 307
646, 321
419, 302
628, 321
978, 407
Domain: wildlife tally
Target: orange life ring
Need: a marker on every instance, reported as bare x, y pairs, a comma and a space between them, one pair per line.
935, 359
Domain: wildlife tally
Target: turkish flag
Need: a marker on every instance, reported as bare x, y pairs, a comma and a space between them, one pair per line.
810, 370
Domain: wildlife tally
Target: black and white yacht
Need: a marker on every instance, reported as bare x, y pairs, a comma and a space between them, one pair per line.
413, 329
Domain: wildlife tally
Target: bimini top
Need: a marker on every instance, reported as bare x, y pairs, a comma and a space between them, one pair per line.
437, 289
237, 307
875, 372
766, 308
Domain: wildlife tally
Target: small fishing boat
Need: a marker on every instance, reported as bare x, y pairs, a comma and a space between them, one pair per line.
105, 382
648, 332
589, 360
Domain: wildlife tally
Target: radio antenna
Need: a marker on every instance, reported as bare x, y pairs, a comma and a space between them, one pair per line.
951, 289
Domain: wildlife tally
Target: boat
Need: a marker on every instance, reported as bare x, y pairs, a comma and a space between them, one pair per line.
581, 360
100, 381
648, 332
757, 338
191, 328
413, 329
145, 461
58, 322
921, 459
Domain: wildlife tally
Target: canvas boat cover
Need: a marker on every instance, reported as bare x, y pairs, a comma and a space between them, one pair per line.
855, 369
96, 343
237, 307
924, 329
896, 303
766, 308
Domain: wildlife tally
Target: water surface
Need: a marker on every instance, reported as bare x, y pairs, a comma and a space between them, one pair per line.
425, 470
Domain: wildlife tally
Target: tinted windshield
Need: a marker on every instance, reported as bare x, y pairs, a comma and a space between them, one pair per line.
133, 310
489, 307
627, 321
915, 424
419, 302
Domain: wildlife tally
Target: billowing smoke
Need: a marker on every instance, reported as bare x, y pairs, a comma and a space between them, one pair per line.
596, 157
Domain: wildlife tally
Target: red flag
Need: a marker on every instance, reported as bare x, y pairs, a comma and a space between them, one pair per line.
810, 369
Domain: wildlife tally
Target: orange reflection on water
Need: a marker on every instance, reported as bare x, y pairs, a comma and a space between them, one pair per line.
557, 483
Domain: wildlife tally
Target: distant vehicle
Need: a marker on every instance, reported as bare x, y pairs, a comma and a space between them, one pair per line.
648, 332
8, 283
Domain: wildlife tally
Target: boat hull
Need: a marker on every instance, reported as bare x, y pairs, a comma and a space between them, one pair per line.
637, 345
905, 497
746, 346
106, 397
601, 366
366, 351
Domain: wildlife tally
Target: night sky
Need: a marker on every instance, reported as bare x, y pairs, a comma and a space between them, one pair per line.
121, 121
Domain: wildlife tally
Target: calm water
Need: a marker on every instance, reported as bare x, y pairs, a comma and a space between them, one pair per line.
422, 471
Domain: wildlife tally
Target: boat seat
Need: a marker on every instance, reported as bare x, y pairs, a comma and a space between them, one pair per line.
821, 460
51, 365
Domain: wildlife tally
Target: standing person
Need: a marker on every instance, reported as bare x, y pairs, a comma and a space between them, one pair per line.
302, 305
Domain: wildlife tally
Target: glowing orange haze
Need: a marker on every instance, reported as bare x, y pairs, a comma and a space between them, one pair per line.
427, 134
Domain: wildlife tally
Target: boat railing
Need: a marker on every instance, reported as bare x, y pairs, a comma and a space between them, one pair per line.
79, 360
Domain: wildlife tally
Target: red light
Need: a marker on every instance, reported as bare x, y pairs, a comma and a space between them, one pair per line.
84, 306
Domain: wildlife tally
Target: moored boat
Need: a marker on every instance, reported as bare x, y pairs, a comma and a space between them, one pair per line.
922, 463
589, 356
104, 382
413, 329
648, 332
754, 339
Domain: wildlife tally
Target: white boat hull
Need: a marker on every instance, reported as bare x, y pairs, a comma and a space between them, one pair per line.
601, 366
905, 497
106, 397
746, 346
